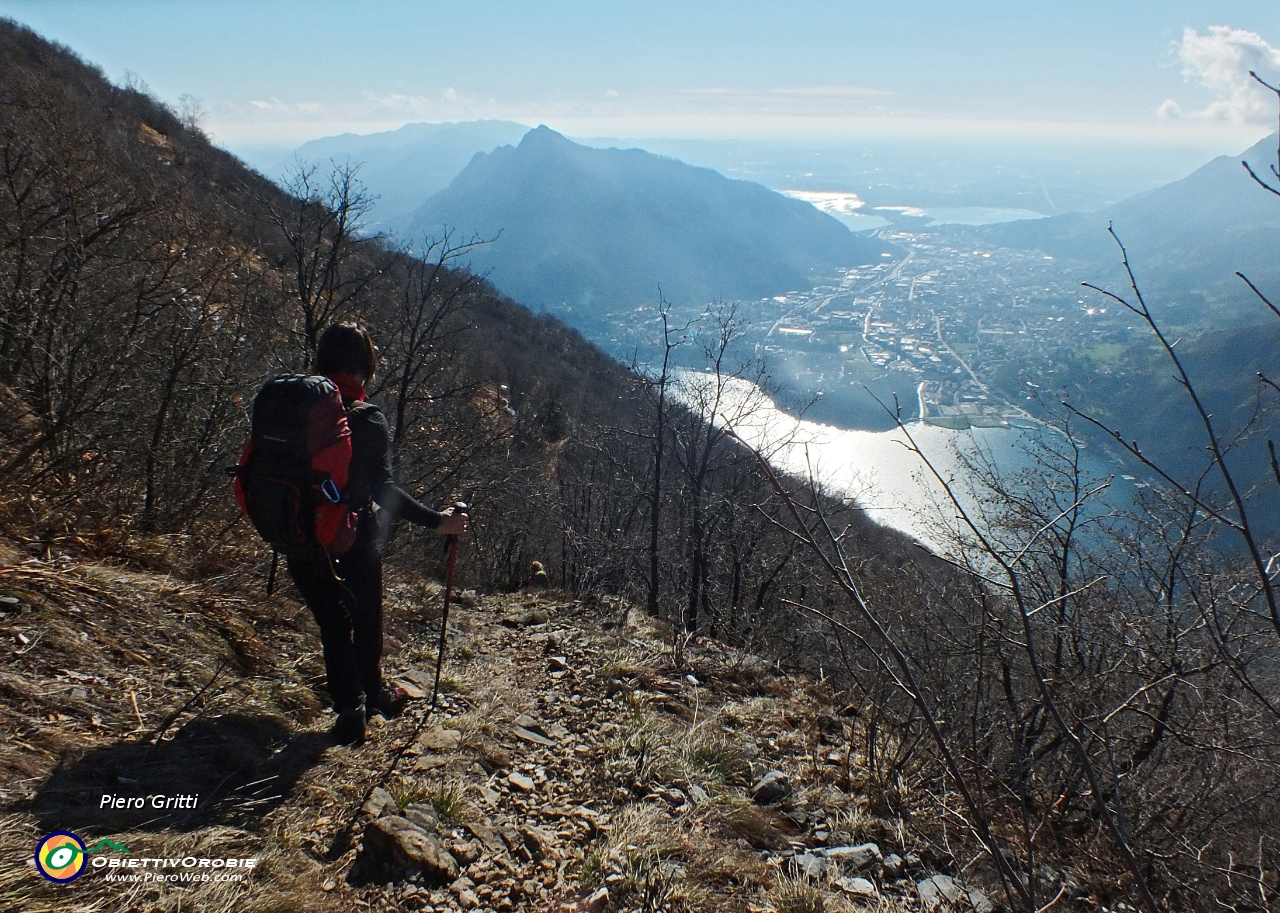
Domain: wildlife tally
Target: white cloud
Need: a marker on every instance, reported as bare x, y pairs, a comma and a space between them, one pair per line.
374, 107
1220, 60
1169, 110
271, 108
447, 103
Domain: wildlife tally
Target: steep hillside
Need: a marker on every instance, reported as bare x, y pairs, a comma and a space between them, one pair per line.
590, 234
404, 167
149, 284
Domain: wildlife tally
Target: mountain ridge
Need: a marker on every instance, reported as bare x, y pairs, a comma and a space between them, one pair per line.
1188, 237
593, 233
404, 167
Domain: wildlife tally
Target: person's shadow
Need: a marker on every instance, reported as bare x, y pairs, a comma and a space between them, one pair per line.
222, 770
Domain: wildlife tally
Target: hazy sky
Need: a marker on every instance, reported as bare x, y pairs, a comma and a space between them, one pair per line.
273, 73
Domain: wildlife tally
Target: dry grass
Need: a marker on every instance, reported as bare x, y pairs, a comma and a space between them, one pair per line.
117, 659
709, 756
738, 818
492, 706
632, 667
645, 853
799, 895
166, 640
854, 826
449, 799
644, 754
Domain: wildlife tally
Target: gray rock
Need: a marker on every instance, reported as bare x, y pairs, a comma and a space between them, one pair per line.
400, 842
1053, 879
439, 739
672, 796
529, 735
515, 842
859, 887
422, 815
980, 902
697, 795
466, 853
892, 867
831, 729
855, 859
937, 890
771, 788
797, 815
541, 843
490, 837
943, 889
806, 865
524, 721
379, 801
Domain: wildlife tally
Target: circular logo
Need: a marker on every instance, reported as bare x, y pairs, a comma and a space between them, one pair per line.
60, 856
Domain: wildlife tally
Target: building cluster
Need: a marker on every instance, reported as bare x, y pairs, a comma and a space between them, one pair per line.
980, 331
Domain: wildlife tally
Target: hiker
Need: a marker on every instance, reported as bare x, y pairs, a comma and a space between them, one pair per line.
344, 592
537, 578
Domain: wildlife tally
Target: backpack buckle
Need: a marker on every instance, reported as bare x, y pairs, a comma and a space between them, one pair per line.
330, 491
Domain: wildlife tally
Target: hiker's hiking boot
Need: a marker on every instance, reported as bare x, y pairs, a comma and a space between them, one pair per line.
387, 703
349, 728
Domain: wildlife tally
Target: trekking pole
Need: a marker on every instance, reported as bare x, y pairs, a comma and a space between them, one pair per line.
451, 547
343, 841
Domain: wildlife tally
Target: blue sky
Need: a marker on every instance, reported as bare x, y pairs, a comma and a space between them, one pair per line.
274, 73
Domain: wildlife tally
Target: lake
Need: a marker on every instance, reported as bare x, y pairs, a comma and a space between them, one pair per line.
882, 471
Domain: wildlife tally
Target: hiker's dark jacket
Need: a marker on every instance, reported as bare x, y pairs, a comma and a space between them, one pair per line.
371, 481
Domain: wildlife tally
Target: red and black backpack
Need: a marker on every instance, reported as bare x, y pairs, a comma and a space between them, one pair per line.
292, 473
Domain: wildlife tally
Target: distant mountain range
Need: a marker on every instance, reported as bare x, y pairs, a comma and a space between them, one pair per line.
404, 167
593, 233
1185, 239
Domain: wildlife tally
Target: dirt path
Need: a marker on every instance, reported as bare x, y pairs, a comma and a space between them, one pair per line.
571, 765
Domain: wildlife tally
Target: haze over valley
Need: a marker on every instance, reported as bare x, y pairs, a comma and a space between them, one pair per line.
983, 324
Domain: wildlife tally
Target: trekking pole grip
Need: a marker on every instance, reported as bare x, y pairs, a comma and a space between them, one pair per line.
459, 507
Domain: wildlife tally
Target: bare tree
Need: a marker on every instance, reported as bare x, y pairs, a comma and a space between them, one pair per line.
330, 259
721, 395
423, 330
658, 387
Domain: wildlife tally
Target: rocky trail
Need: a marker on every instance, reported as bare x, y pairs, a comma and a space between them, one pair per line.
576, 761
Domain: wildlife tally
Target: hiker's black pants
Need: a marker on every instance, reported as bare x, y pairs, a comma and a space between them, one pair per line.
350, 618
